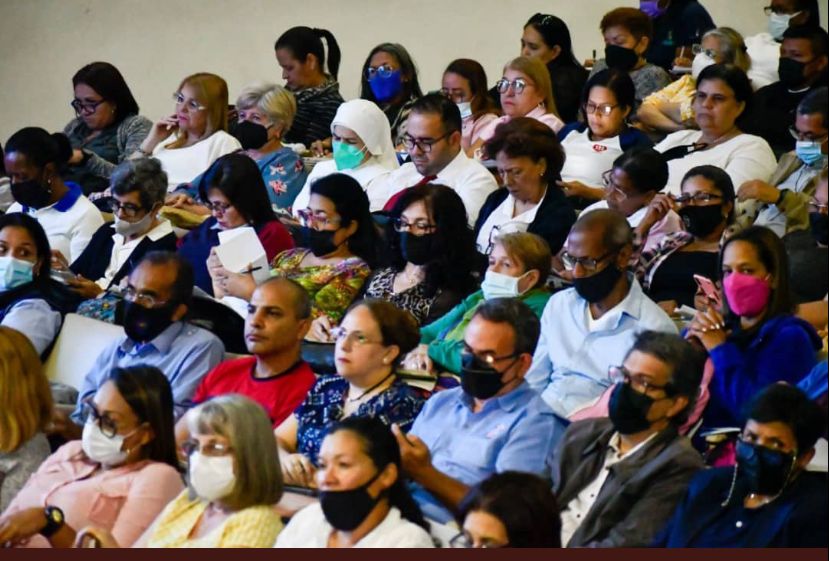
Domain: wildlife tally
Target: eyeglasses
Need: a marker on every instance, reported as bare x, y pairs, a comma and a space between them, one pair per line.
341, 335
639, 382
710, 53
384, 71
695, 198
423, 144
142, 298
218, 208
307, 217
88, 411
611, 186
457, 96
589, 264
464, 540
127, 209
212, 449
85, 107
418, 227
769, 10
815, 206
192, 104
489, 358
600, 109
507, 174
503, 85
807, 136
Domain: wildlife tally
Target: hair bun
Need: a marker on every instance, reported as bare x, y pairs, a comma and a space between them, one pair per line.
63, 148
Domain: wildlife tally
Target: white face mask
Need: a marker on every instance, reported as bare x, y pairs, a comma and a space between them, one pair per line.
128, 229
779, 23
701, 61
99, 448
211, 477
498, 285
465, 107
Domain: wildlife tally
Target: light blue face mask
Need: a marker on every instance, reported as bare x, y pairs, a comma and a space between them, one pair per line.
808, 151
499, 285
14, 272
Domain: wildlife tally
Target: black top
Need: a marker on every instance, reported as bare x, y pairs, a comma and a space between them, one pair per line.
808, 266
683, 24
674, 277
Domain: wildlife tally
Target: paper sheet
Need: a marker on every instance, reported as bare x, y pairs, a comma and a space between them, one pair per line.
240, 250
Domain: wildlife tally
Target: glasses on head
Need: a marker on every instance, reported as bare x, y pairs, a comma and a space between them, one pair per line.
710, 53
218, 208
384, 71
127, 209
696, 198
501, 230
464, 540
308, 217
85, 107
638, 382
604, 109
807, 136
611, 187
816, 206
341, 335
192, 104
89, 412
418, 227
142, 298
503, 85
423, 144
213, 449
589, 264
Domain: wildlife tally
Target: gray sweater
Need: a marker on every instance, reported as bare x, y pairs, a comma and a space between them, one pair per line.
130, 134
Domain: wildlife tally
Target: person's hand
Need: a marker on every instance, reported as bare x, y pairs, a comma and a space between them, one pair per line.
418, 360
92, 536
579, 189
415, 457
297, 469
59, 260
657, 209
709, 328
160, 130
84, 287
178, 200
702, 302
320, 331
76, 158
320, 148
61, 423
668, 306
683, 62
19, 526
759, 190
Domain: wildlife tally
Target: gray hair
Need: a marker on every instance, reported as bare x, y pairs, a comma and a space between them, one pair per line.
275, 101
143, 175
256, 458
732, 46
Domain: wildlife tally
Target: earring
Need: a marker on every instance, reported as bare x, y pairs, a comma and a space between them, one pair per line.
385, 361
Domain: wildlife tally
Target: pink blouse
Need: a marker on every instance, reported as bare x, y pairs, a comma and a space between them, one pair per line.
472, 129
539, 114
123, 500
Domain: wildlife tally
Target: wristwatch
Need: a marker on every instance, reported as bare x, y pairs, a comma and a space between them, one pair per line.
54, 521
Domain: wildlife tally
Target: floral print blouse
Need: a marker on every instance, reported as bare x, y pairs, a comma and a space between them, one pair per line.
284, 175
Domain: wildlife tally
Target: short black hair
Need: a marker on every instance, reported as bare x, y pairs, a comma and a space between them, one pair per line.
238, 178
615, 80
40, 147
721, 181
736, 79
108, 82
528, 137
555, 32
443, 107
782, 403
685, 361
646, 168
303, 41
816, 102
816, 35
512, 311
182, 289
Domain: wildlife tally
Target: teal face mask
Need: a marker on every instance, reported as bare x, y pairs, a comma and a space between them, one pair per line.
14, 272
347, 156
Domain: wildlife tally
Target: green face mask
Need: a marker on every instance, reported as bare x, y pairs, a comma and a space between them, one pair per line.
347, 156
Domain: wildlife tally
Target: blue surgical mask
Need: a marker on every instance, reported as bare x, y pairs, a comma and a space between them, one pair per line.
386, 88
14, 272
808, 151
465, 107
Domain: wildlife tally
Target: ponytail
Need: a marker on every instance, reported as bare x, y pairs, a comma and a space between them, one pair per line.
332, 62
41, 148
303, 41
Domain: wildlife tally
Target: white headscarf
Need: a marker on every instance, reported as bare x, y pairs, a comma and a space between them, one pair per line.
372, 126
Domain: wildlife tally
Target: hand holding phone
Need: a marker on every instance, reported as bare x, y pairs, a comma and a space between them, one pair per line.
709, 289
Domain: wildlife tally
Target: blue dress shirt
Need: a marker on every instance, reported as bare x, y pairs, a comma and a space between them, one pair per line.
35, 319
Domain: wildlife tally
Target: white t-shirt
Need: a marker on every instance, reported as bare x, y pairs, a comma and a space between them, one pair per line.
369, 175
744, 157
185, 164
121, 250
309, 528
765, 56
502, 218
588, 159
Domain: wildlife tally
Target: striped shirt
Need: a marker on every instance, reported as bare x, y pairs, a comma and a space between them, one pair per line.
316, 108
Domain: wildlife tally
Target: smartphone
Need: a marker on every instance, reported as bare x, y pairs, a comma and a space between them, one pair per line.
709, 289
62, 276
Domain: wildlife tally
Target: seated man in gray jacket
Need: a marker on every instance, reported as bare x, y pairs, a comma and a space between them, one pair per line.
617, 480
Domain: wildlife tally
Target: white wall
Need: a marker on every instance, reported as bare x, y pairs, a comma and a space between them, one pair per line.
157, 42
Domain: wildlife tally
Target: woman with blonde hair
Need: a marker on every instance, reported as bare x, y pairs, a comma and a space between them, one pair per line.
25, 410
193, 137
526, 91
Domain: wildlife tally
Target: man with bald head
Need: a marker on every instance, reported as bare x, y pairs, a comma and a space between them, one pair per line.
279, 316
590, 327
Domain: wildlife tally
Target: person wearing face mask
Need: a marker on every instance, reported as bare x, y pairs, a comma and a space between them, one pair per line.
362, 149
808, 251
498, 422
389, 79
781, 203
671, 108
804, 60
464, 82
618, 478
768, 499
119, 475
138, 191
430, 254
756, 340
519, 264
233, 483
34, 161
590, 327
706, 207
363, 499
628, 33
677, 26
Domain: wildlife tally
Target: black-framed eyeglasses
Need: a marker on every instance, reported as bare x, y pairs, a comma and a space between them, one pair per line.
589, 264
384, 71
423, 144
418, 227
769, 10
464, 540
604, 109
89, 412
218, 208
639, 382
806, 137
212, 449
488, 358
85, 107
127, 209
696, 198
503, 85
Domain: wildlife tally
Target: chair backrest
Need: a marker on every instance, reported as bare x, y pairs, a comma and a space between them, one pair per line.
79, 343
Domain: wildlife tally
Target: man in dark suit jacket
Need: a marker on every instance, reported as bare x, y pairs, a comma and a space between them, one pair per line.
617, 480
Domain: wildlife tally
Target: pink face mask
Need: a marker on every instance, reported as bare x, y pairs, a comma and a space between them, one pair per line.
747, 295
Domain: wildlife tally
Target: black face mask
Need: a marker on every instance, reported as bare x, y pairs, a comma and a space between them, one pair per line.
792, 72
479, 379
416, 249
620, 57
764, 470
250, 135
145, 324
32, 193
820, 226
628, 409
345, 510
320, 242
701, 220
595, 288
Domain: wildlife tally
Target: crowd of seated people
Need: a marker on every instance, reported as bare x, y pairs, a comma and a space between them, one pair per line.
586, 307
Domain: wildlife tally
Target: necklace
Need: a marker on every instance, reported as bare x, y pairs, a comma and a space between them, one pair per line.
371, 389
